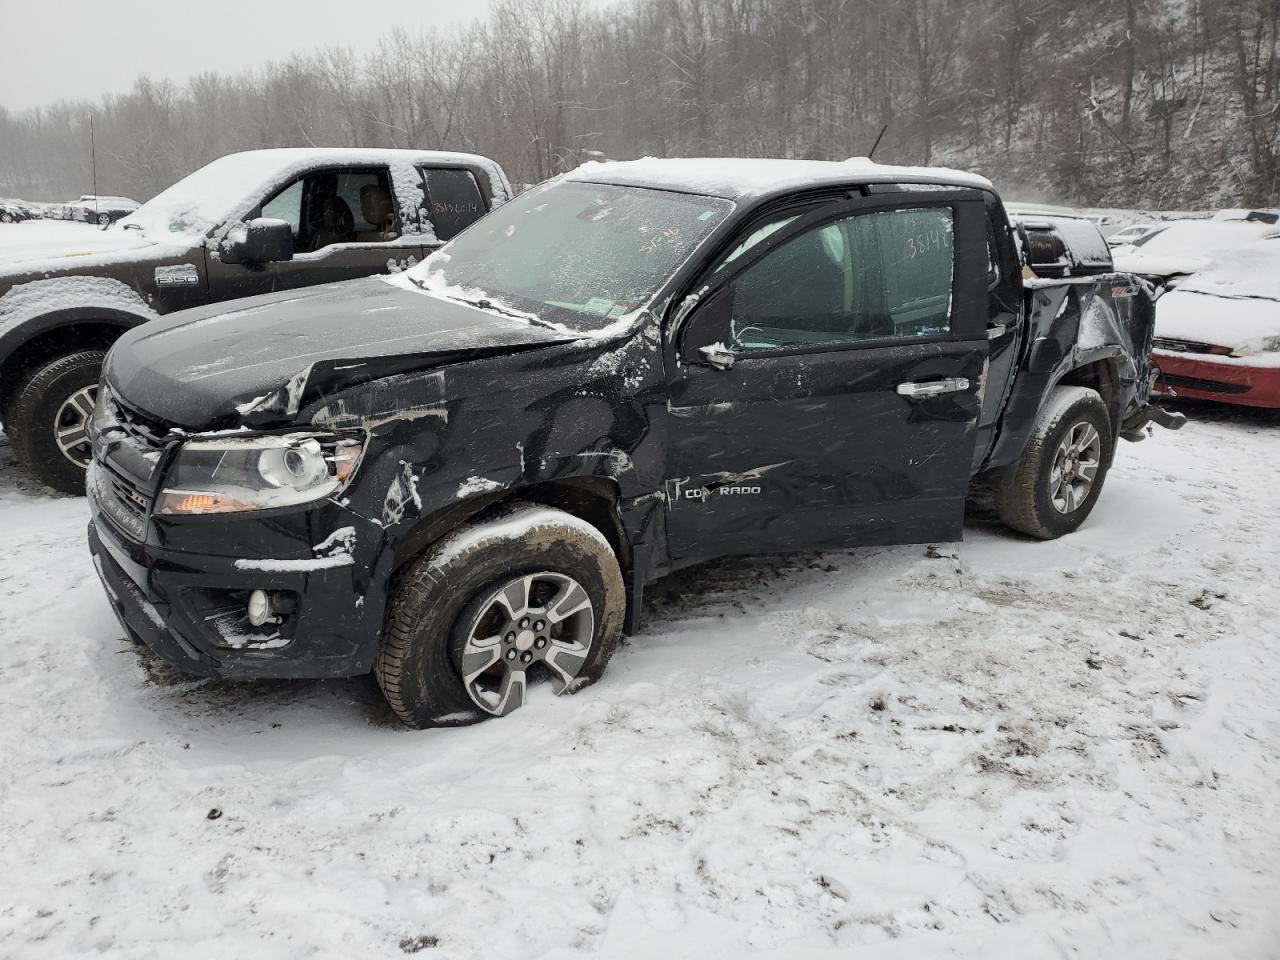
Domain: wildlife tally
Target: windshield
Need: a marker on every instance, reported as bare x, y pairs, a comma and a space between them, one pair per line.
574, 253
202, 200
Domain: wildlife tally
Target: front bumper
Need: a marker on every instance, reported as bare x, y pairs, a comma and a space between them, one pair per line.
1195, 377
187, 604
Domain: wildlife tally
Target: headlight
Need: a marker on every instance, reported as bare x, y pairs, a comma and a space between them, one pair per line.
1265, 345
234, 474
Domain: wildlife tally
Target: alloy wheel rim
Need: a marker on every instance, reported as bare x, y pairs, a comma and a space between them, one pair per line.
71, 425
537, 624
1075, 467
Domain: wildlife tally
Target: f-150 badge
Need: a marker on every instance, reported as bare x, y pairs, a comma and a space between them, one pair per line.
177, 275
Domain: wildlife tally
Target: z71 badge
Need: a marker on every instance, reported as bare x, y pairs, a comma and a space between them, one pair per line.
177, 275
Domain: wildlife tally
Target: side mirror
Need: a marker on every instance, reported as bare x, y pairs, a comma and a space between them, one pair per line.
707, 329
263, 240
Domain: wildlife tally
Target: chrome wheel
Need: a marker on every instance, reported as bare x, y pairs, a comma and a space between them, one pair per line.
71, 426
103, 219
539, 624
1075, 467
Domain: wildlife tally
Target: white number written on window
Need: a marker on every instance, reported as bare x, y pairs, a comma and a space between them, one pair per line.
923, 243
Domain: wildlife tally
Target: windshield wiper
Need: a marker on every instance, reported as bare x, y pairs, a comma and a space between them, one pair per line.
485, 303
131, 226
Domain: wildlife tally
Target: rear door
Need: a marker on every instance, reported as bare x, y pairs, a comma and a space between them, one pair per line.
841, 402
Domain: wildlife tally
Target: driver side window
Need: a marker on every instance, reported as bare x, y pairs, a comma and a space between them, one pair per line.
868, 277
342, 205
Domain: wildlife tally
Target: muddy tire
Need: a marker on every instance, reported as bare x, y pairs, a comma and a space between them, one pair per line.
50, 414
1058, 480
530, 594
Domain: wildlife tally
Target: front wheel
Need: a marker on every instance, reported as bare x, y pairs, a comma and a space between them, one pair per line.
1055, 485
534, 595
51, 416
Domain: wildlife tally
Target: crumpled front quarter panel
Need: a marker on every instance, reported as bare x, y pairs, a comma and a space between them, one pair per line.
473, 432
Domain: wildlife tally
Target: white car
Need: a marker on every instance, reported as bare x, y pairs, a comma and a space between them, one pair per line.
1133, 233
1183, 247
1217, 335
103, 210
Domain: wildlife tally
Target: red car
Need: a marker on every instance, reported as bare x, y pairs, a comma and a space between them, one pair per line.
1218, 333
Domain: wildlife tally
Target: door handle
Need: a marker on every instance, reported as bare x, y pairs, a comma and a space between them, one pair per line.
933, 388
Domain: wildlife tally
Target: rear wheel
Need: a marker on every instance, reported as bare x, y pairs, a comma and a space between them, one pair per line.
104, 219
1058, 480
51, 415
534, 595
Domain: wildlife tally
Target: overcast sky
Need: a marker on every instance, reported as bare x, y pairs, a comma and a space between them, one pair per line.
72, 49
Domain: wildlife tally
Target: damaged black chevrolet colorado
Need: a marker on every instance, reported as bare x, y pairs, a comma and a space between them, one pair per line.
462, 478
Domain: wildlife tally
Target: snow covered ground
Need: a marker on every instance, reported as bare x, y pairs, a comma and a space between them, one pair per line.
994, 749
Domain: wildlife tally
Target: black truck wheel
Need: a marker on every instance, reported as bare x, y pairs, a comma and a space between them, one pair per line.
532, 595
50, 430
1056, 483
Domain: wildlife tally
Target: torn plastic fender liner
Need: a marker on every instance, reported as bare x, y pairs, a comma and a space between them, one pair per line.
363, 392
401, 398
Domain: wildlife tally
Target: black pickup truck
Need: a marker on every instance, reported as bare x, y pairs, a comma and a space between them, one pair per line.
246, 224
462, 477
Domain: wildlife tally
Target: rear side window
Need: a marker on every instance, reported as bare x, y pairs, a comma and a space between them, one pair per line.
918, 248
453, 199
872, 276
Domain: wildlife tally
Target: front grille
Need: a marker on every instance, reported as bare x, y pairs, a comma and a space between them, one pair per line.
150, 432
1189, 346
129, 497
112, 496
1199, 383
123, 487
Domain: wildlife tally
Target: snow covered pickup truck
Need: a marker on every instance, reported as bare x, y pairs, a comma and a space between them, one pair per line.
462, 477
246, 224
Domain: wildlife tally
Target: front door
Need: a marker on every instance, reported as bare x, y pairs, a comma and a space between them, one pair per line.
345, 223
840, 403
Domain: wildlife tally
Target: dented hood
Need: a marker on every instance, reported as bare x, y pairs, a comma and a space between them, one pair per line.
214, 367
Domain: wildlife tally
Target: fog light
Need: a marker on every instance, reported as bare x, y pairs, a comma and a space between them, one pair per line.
259, 611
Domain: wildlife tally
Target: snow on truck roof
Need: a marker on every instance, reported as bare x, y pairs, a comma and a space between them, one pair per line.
230, 185
736, 177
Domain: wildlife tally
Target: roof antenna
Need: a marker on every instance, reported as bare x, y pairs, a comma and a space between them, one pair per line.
872, 152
